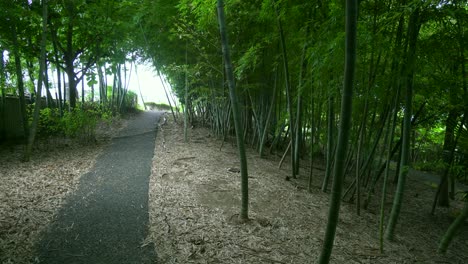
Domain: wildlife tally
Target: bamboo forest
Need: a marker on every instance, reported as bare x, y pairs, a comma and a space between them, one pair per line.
285, 131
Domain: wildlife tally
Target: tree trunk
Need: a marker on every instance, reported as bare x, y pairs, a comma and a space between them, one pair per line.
314, 129
413, 31
398, 144
59, 72
389, 140
65, 91
2, 73
298, 128
360, 139
42, 62
345, 126
69, 67
114, 85
186, 95
450, 124
19, 78
125, 86
50, 100
267, 121
235, 112
2, 91
139, 87
119, 87
450, 158
30, 68
102, 87
288, 89
167, 96
452, 231
82, 87
330, 143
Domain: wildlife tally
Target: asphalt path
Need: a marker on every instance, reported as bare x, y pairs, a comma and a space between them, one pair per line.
433, 179
106, 219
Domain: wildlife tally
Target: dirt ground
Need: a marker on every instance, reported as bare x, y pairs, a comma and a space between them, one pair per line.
32, 192
195, 201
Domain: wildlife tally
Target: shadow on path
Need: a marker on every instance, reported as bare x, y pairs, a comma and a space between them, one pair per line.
106, 219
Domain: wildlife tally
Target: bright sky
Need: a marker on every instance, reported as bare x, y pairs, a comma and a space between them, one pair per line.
150, 84
143, 78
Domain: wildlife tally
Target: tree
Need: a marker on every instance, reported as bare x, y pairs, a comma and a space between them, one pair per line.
344, 127
19, 77
288, 92
452, 230
235, 112
42, 69
413, 31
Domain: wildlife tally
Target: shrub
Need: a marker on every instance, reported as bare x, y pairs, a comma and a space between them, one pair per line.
80, 124
49, 123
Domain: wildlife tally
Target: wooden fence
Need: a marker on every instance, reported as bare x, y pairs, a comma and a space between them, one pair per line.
11, 124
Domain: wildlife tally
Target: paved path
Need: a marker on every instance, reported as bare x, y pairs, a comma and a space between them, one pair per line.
105, 220
434, 180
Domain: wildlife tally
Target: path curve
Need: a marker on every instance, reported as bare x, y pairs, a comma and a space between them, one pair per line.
106, 219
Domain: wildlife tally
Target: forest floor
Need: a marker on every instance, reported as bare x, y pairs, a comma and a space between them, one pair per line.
195, 200
194, 203
31, 193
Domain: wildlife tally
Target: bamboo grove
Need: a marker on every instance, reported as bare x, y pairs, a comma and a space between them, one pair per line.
409, 96
288, 59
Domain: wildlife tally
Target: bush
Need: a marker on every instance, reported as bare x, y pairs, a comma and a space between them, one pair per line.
78, 124
130, 103
49, 123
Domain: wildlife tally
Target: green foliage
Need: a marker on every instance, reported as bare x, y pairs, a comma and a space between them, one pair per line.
79, 124
249, 61
49, 123
130, 102
432, 165
464, 196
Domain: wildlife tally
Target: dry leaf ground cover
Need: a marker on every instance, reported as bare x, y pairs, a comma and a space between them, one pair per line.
32, 192
194, 202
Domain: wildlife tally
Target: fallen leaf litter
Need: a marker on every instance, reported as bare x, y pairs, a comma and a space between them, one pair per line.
194, 203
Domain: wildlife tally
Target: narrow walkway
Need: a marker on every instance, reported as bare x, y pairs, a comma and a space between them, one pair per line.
433, 179
105, 220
